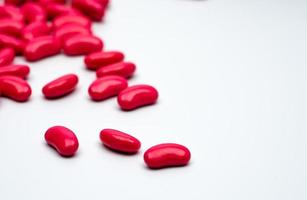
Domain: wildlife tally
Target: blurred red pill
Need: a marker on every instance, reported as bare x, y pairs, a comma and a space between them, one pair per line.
42, 47
14, 88
82, 45
96, 60
107, 87
119, 141
167, 155
123, 69
60, 86
11, 12
34, 30
47, 2
137, 96
12, 42
63, 140
7, 56
33, 12
68, 30
55, 9
11, 27
21, 71
71, 19
91, 8
14, 2
104, 3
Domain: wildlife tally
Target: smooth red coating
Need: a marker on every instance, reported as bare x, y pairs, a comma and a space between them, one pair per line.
60, 86
167, 155
7, 56
56, 9
63, 140
96, 60
68, 30
34, 30
33, 12
106, 87
47, 2
14, 2
91, 8
21, 71
71, 19
11, 27
137, 96
42, 47
119, 141
123, 69
104, 3
11, 12
14, 88
82, 45
9, 41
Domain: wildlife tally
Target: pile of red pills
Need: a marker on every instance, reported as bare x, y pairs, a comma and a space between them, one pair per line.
38, 29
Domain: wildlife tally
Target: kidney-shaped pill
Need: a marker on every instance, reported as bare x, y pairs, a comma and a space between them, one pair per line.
12, 12
137, 96
21, 71
33, 12
96, 60
56, 9
123, 69
11, 27
167, 155
107, 87
71, 19
7, 56
14, 88
119, 141
68, 30
34, 30
42, 47
10, 41
91, 8
63, 140
60, 86
82, 44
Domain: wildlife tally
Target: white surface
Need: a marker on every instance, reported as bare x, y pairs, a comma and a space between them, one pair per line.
232, 82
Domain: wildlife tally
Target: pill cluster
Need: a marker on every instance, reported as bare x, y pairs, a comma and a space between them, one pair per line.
38, 29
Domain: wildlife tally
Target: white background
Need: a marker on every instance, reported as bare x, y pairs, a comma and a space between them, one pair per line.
232, 83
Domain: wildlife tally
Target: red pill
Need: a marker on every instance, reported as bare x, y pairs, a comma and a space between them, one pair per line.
119, 141
12, 42
14, 2
81, 45
42, 47
47, 2
68, 30
21, 71
123, 69
35, 29
33, 12
137, 96
107, 87
167, 155
104, 3
100, 59
11, 27
55, 9
11, 12
71, 19
63, 140
7, 56
14, 88
60, 86
91, 8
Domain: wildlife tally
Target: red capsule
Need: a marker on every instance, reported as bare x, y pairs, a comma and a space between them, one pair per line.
12, 42
14, 2
91, 8
35, 29
100, 59
107, 87
11, 27
21, 71
137, 96
119, 141
63, 140
33, 12
60, 86
55, 9
82, 44
123, 69
7, 56
167, 155
47, 2
42, 47
68, 30
14, 88
11, 12
71, 19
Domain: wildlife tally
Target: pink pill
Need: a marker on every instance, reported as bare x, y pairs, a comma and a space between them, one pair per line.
91, 8
96, 60
33, 12
11, 12
12, 42
11, 27
66, 31
71, 19
34, 30
55, 9
7, 56
21, 71
14, 88
123, 69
